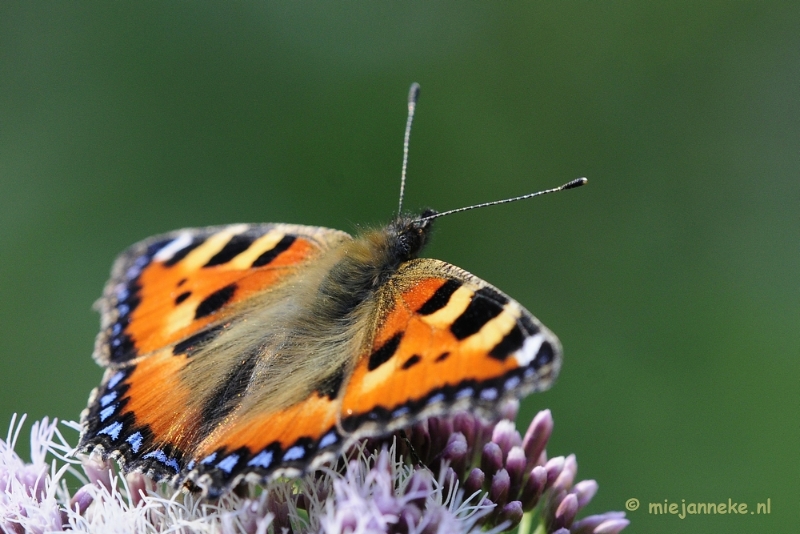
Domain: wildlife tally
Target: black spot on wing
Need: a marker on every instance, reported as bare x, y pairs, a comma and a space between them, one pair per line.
235, 246
191, 344
411, 362
270, 255
183, 296
442, 357
440, 298
383, 354
214, 301
331, 385
182, 253
486, 304
508, 345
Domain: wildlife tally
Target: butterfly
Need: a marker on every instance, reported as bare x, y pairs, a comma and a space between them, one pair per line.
249, 352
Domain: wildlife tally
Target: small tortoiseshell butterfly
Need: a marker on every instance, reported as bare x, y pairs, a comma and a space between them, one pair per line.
253, 351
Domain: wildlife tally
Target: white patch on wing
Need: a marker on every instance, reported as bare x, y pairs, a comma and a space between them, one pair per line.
168, 251
529, 350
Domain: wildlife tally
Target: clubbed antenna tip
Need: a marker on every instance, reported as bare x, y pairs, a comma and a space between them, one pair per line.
413, 94
577, 182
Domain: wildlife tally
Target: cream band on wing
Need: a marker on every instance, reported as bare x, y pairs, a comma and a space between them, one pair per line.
493, 331
200, 256
245, 259
456, 306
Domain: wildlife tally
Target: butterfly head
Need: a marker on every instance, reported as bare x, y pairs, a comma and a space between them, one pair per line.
408, 235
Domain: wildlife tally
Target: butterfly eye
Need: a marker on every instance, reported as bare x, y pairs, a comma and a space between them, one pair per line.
411, 237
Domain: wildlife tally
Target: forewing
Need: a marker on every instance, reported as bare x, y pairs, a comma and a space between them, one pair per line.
167, 288
443, 339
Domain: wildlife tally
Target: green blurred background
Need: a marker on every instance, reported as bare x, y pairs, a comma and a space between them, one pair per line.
671, 278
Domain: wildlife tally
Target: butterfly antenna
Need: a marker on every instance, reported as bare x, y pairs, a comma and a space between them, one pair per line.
413, 95
569, 185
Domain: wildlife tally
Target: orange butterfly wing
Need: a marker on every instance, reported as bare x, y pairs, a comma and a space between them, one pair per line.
446, 338
167, 296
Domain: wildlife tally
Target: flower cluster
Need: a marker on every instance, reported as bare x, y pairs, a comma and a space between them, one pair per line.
447, 474
512, 472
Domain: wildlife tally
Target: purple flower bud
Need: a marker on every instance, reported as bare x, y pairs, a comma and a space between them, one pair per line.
509, 409
515, 465
537, 436
468, 426
554, 466
420, 439
542, 458
318, 490
82, 499
280, 509
98, 471
506, 436
440, 429
138, 485
566, 512
612, 526
474, 482
418, 486
491, 459
553, 499
451, 479
534, 487
562, 531
587, 525
568, 473
456, 453
584, 491
498, 491
511, 512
